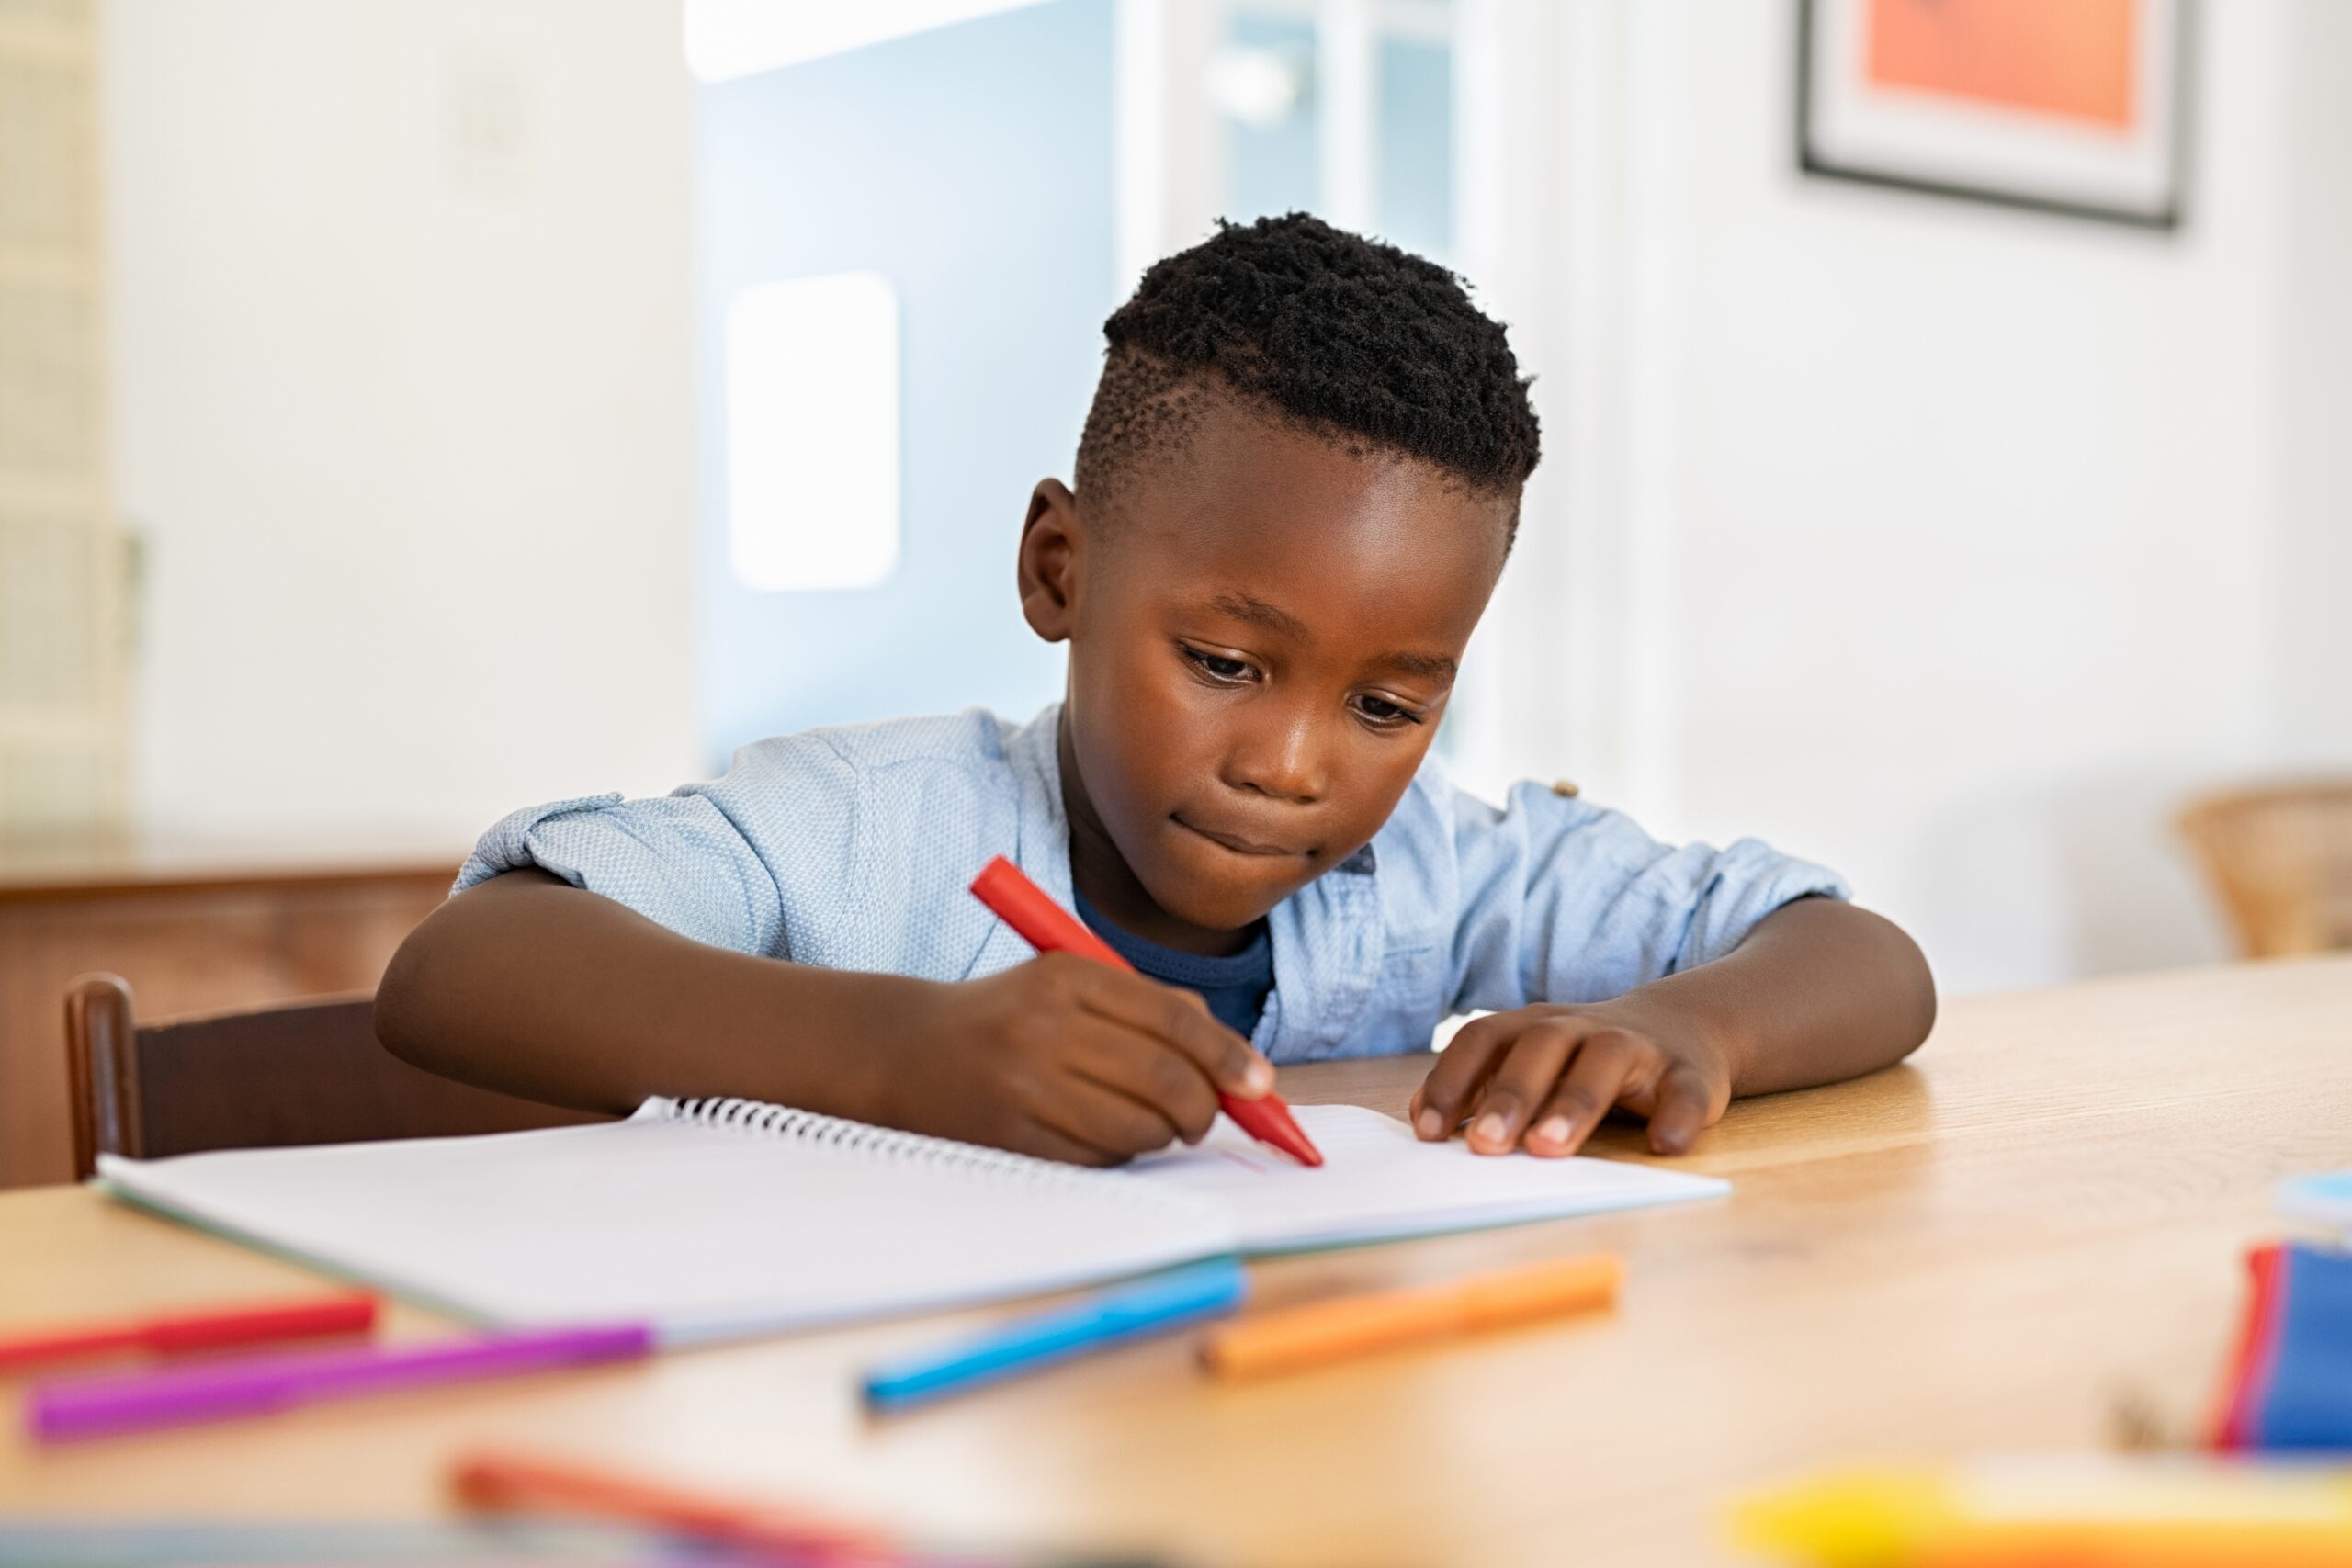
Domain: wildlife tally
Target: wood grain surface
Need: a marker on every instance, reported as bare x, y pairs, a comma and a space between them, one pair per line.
1974, 1253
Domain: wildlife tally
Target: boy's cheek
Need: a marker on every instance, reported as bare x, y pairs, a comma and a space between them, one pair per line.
1127, 733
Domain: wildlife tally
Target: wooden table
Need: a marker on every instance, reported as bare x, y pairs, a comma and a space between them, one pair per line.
1971, 1254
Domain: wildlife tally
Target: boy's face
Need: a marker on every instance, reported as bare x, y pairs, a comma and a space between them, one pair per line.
1263, 636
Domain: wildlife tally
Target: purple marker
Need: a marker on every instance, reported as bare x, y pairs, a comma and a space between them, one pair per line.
251, 1385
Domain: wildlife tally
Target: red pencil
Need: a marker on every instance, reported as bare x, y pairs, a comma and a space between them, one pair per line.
1047, 927
171, 1334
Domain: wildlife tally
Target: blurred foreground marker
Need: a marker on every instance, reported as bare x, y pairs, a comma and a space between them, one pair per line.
2084, 1511
1340, 1330
499, 1482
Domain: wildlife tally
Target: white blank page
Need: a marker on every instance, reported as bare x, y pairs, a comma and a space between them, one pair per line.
1378, 1181
711, 1231
706, 1231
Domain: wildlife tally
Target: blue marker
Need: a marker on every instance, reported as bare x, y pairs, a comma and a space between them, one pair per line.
1111, 1317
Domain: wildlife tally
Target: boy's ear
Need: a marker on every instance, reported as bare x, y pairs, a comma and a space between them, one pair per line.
1051, 542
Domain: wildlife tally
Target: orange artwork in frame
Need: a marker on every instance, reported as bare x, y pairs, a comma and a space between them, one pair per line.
2063, 57
2069, 105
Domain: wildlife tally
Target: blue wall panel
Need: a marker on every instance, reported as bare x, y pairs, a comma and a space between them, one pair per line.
972, 168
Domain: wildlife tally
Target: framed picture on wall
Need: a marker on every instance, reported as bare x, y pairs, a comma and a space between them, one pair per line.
2077, 106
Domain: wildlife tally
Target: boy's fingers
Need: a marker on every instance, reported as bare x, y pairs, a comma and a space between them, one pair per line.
1141, 1068
1182, 1020
1104, 1120
1603, 1069
1685, 1106
1519, 1084
1045, 1141
1461, 1068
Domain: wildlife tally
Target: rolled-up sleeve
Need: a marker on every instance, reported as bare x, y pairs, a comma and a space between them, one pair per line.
707, 862
678, 860
1564, 901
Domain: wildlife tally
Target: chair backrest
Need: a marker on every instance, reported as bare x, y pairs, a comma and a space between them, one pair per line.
307, 1073
2281, 859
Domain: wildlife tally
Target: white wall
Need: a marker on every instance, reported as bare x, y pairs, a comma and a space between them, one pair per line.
2311, 303
1936, 541
399, 335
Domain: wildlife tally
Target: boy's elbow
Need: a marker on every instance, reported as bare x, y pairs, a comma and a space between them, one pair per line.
1916, 982
404, 1025
1879, 965
442, 994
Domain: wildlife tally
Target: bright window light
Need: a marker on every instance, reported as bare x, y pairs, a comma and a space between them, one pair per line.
812, 433
736, 38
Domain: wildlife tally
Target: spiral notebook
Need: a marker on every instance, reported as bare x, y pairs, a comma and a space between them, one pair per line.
720, 1218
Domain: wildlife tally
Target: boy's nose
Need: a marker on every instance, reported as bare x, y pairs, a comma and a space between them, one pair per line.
1284, 760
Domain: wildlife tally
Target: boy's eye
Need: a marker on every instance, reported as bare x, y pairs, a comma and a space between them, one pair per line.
1216, 665
1384, 713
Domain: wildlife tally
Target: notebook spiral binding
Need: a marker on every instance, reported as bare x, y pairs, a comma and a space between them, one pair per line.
889, 1144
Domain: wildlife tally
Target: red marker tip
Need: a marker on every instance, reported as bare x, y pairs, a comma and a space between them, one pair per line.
1268, 1121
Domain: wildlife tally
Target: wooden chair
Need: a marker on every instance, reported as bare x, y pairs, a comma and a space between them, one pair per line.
2280, 858
308, 1072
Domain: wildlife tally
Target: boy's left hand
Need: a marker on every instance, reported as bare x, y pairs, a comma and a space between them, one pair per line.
1543, 1078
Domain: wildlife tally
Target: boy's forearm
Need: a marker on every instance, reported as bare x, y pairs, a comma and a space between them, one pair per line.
1818, 992
527, 985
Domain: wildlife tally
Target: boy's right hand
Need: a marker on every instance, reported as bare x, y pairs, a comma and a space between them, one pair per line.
1069, 1059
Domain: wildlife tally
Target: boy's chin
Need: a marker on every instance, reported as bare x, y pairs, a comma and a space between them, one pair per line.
1227, 893
1224, 913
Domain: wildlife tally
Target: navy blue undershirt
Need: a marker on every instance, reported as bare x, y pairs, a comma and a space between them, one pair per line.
1234, 987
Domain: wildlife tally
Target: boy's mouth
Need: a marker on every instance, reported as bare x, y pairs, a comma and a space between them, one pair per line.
1234, 841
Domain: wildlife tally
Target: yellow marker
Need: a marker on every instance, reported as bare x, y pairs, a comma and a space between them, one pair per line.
1275, 1342
2085, 1512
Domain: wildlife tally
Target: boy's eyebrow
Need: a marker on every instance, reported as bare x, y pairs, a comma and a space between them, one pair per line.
1274, 617
1428, 666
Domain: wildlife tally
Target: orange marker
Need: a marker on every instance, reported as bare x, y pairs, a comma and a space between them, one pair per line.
1047, 927
515, 1483
1270, 1343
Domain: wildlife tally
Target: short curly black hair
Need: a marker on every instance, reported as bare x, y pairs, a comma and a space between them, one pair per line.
1343, 336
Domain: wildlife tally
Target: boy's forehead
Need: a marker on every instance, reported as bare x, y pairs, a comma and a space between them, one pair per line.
1252, 512
1240, 468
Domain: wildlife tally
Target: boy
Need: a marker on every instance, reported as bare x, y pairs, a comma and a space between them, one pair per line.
1296, 491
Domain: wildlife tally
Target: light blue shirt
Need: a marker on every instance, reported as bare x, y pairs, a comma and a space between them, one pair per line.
852, 847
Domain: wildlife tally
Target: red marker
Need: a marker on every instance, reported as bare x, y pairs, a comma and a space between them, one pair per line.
181, 1333
517, 1484
1047, 927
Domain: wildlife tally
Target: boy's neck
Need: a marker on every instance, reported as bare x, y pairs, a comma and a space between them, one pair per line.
1100, 874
